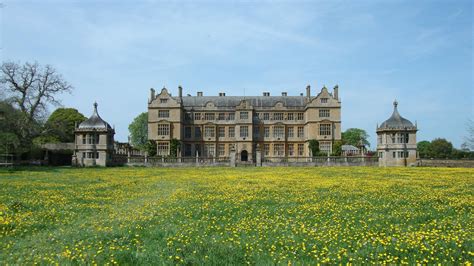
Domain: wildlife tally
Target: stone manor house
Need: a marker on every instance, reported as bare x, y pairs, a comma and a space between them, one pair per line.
258, 130
215, 126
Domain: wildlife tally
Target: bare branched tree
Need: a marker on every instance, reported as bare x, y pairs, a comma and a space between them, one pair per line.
31, 87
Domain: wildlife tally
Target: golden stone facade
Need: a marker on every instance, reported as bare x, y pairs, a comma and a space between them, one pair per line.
213, 126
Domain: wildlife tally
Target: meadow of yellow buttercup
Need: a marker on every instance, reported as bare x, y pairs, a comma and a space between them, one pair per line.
236, 216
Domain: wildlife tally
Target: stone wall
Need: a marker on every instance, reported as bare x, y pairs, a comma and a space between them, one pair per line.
446, 163
232, 162
321, 161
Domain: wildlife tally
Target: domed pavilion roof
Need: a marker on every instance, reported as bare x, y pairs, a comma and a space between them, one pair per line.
396, 121
95, 121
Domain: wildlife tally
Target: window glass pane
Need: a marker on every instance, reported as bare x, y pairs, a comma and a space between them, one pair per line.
278, 116
291, 132
324, 113
163, 113
244, 131
325, 129
278, 132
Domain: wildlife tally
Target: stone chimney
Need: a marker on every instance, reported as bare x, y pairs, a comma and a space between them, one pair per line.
284, 93
336, 92
222, 94
199, 94
180, 91
266, 93
308, 91
152, 94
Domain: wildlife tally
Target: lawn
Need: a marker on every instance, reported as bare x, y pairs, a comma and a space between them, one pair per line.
236, 216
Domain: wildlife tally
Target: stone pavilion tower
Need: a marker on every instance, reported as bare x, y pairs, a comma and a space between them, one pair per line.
396, 141
94, 142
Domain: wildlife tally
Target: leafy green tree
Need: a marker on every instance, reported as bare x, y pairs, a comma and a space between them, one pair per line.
314, 147
11, 129
61, 123
38, 141
462, 154
337, 148
150, 148
424, 148
8, 143
174, 147
355, 137
9, 118
441, 148
139, 131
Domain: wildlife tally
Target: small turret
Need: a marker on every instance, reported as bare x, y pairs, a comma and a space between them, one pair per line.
396, 140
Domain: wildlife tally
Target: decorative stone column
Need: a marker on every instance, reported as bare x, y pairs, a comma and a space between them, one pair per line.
128, 154
258, 156
232, 156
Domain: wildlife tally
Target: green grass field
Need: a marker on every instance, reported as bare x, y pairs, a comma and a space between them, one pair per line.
236, 216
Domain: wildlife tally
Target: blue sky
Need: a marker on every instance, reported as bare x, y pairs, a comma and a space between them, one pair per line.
419, 52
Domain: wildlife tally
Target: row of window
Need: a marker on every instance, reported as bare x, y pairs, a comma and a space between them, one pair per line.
401, 138
90, 139
211, 149
245, 115
90, 155
279, 149
210, 132
397, 154
213, 116
208, 150
280, 116
95, 139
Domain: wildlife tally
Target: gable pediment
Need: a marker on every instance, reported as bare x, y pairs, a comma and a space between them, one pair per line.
164, 99
324, 98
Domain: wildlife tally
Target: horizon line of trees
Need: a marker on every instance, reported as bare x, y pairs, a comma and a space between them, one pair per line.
440, 148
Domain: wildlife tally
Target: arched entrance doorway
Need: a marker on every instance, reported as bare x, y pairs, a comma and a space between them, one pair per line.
244, 155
